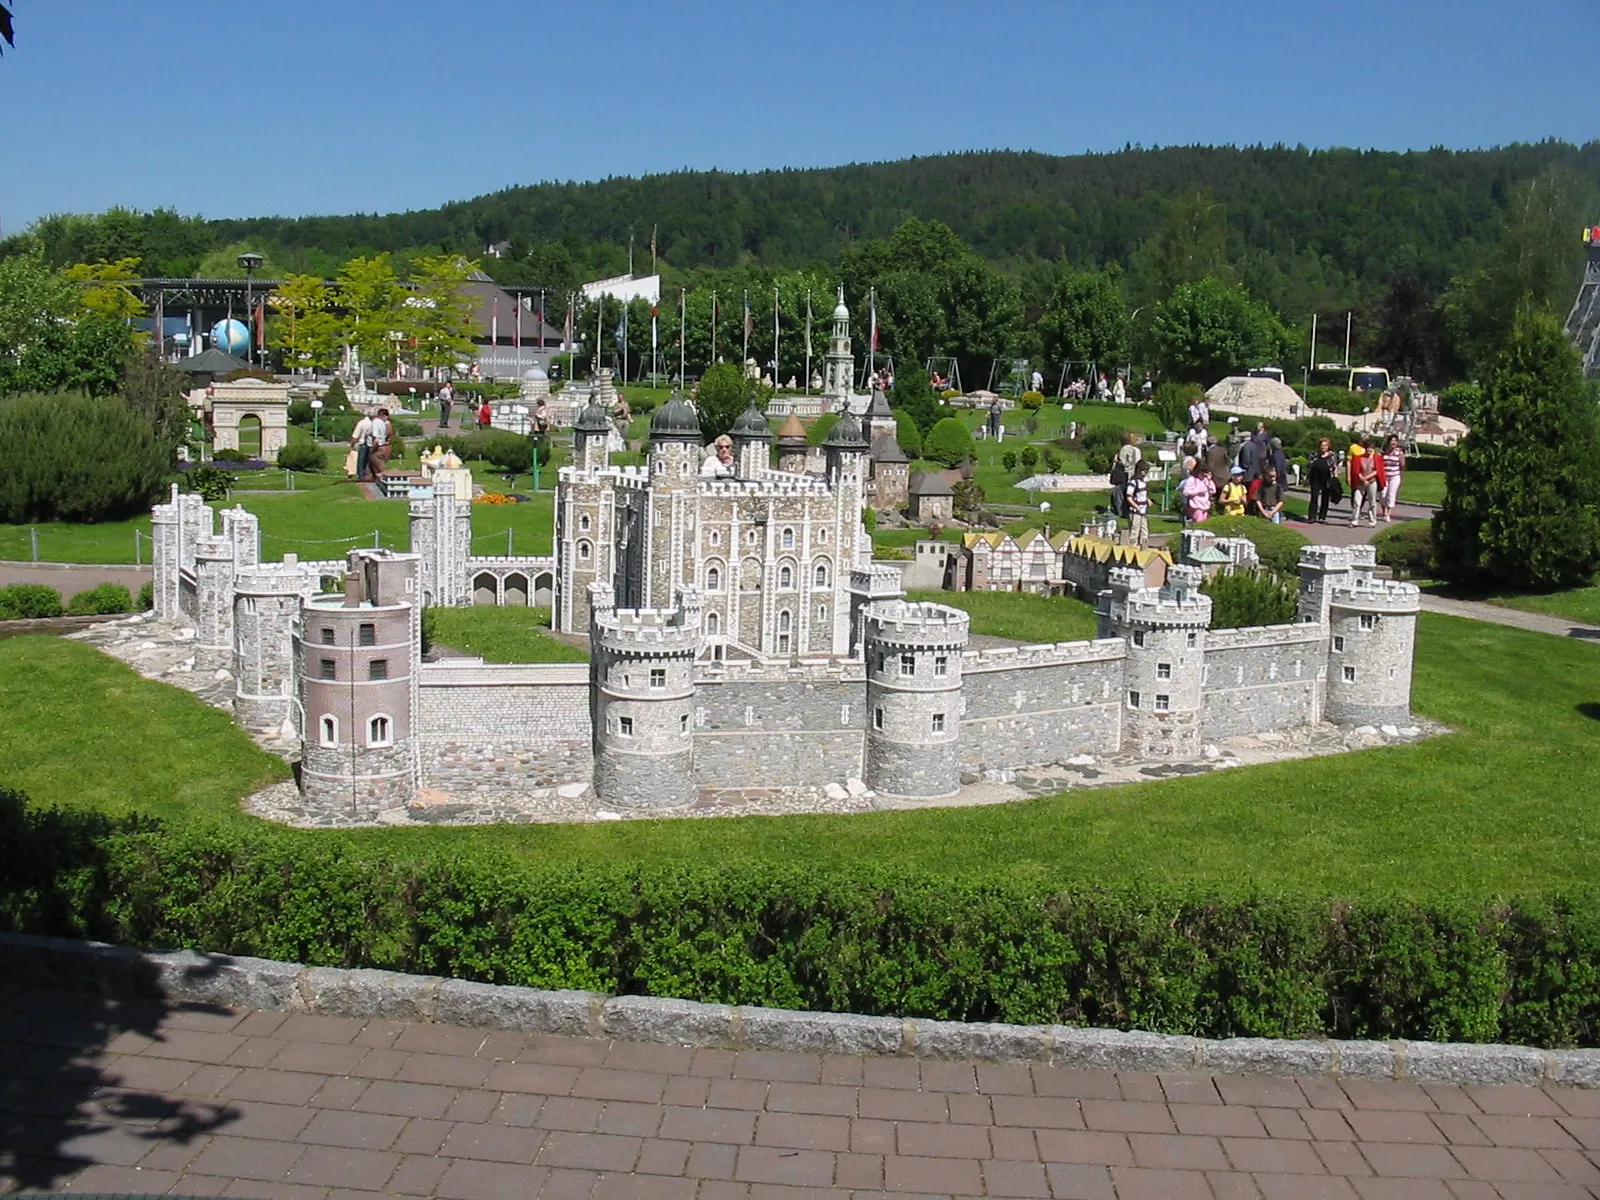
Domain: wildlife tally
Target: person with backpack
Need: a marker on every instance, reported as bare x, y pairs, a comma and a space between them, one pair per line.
1234, 494
1136, 499
1128, 457
1323, 475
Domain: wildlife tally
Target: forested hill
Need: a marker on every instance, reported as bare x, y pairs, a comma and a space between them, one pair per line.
1368, 214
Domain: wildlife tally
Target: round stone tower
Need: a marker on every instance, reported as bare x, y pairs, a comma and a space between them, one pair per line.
1164, 676
674, 446
266, 608
213, 578
914, 703
752, 442
643, 687
1372, 626
359, 655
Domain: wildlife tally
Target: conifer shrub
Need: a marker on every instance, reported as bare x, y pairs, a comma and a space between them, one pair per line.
1522, 492
908, 434
101, 600
147, 596
1406, 549
1245, 599
29, 602
949, 442
69, 457
1032, 401
1100, 445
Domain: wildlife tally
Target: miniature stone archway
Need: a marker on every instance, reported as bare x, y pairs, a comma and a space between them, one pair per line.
230, 404
516, 591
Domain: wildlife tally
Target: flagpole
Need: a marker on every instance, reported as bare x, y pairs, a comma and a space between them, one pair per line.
808, 341
517, 300
599, 331
746, 328
712, 361
683, 335
774, 337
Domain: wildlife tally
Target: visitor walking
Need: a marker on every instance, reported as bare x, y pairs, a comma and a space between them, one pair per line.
1119, 391
1266, 496
541, 417
447, 395
1102, 392
1136, 500
1122, 466
1196, 492
1366, 482
1323, 475
382, 439
485, 415
1038, 381
1277, 458
1216, 457
1250, 459
1147, 389
1394, 466
1200, 414
994, 418
1234, 494
361, 443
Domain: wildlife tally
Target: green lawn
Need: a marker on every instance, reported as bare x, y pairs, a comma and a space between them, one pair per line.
1506, 805
501, 635
154, 748
1576, 604
1026, 618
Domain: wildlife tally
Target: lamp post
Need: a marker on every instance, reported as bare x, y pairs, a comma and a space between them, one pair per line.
251, 263
316, 416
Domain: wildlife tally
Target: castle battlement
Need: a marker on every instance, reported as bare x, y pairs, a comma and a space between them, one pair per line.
915, 623
1157, 609
810, 670
543, 562
773, 484
1058, 654
1377, 595
1264, 635
648, 630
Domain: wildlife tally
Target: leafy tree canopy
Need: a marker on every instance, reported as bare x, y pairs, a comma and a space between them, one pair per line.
1206, 330
724, 394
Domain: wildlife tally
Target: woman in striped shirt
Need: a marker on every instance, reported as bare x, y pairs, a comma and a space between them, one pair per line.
1394, 464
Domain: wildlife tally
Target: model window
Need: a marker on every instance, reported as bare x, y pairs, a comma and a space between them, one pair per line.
329, 733
1349, 674
820, 575
1163, 670
716, 537
822, 613
1193, 640
625, 726
938, 722
783, 643
1133, 699
367, 635
784, 621
713, 579
1338, 643
378, 732
822, 537
941, 665
785, 577
378, 668
877, 718
583, 551
1368, 620
1138, 637
327, 669
750, 537
683, 723
788, 539
908, 664
583, 522
327, 636
658, 677
713, 624
1163, 703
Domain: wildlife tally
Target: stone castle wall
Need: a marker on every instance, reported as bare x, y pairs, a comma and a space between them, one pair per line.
490, 727
1263, 680
778, 729
1040, 704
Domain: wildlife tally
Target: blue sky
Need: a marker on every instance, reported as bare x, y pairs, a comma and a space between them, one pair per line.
294, 106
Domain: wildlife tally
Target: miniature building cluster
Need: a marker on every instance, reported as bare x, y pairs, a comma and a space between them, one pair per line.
697, 682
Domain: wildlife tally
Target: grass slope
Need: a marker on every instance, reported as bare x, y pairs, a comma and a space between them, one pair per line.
83, 730
1018, 615
1578, 604
501, 635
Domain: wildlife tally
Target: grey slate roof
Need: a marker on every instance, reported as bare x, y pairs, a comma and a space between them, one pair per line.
928, 483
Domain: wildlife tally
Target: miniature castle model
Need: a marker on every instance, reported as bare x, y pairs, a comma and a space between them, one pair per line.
742, 637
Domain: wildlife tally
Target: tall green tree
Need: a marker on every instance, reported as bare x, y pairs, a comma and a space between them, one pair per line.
1087, 318
1206, 330
1191, 245
439, 313
369, 292
913, 396
1522, 491
1534, 263
306, 333
724, 393
48, 340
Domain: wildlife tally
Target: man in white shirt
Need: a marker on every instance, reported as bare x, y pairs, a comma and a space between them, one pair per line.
361, 443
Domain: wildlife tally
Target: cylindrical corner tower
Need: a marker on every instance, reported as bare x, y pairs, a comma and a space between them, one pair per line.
1164, 676
165, 534
914, 702
1373, 628
213, 582
266, 608
358, 658
643, 686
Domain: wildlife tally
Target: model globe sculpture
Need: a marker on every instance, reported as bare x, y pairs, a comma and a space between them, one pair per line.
231, 337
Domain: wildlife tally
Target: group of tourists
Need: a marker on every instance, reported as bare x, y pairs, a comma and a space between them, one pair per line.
1253, 480
371, 441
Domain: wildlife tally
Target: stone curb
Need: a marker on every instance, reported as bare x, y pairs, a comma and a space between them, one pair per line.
187, 976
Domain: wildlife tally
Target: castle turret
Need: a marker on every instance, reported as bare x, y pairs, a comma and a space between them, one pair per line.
1324, 567
642, 663
213, 581
792, 445
266, 609
674, 446
914, 703
846, 448
591, 437
752, 443
358, 657
165, 536
1372, 625
840, 363
1164, 677
441, 538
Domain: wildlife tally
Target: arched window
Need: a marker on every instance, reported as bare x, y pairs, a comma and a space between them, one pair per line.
583, 522
713, 579
819, 576
713, 624
380, 731
584, 551
822, 537
785, 577
715, 538
784, 621
328, 731
788, 539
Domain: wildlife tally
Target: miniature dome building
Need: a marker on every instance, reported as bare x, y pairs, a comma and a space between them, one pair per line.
590, 433
752, 442
675, 420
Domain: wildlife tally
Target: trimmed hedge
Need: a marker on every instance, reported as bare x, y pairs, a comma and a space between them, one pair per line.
29, 601
101, 600
843, 939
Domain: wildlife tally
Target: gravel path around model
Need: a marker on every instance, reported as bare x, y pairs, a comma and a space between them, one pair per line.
1516, 618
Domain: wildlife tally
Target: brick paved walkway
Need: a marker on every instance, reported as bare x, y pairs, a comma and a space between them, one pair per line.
196, 1101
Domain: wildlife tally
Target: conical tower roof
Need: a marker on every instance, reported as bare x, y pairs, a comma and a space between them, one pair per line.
846, 433
593, 418
751, 425
793, 431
